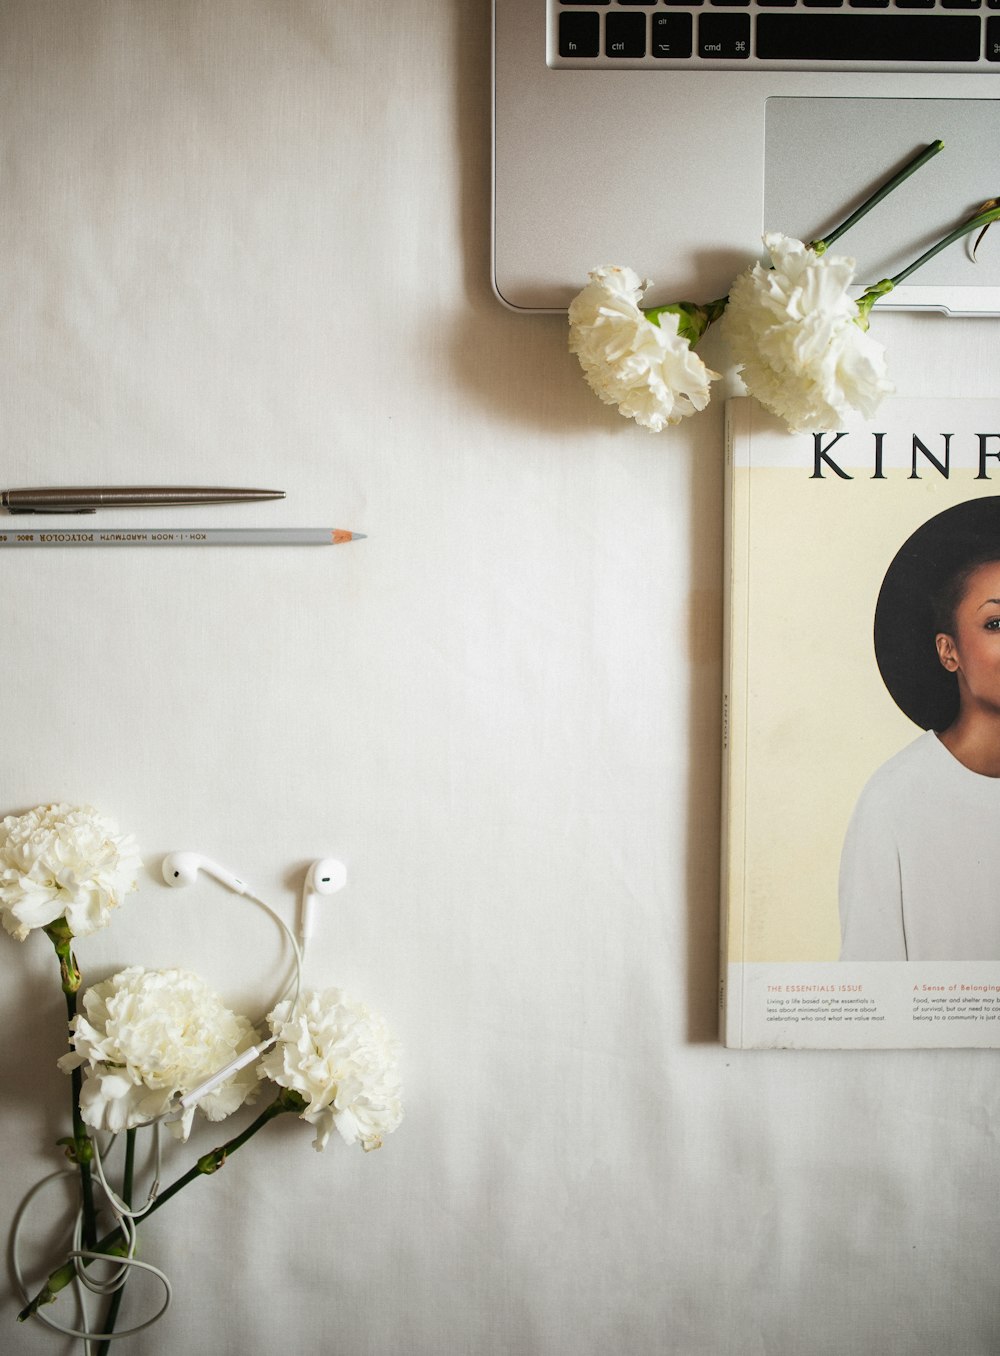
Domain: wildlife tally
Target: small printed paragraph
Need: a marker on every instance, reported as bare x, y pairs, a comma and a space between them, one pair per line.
956, 1002
827, 1003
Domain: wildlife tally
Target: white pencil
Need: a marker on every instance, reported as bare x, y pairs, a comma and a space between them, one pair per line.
178, 536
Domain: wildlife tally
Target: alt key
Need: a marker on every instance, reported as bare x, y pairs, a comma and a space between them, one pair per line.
671, 36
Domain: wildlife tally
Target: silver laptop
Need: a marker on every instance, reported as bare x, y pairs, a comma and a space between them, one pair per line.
667, 135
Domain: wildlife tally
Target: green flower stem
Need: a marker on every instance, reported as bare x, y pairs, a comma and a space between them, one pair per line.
692, 320
819, 246
113, 1245
129, 1171
78, 1147
111, 1317
61, 937
981, 219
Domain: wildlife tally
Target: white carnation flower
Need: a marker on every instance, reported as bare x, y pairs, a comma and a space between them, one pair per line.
148, 1036
648, 370
343, 1060
801, 341
63, 861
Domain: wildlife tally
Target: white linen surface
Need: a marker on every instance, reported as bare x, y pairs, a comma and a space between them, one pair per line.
246, 242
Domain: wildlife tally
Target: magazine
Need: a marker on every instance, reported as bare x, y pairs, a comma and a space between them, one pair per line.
861, 730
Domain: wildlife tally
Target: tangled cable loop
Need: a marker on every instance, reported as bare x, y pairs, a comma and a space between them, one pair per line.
80, 1256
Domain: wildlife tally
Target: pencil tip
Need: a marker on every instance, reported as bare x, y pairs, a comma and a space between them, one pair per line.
358, 536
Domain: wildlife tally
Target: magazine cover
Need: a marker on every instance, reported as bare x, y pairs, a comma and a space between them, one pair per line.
861, 730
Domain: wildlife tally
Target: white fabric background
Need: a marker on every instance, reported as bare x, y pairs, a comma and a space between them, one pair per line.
248, 242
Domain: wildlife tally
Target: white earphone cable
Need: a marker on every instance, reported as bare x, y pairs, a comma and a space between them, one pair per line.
122, 1211
293, 987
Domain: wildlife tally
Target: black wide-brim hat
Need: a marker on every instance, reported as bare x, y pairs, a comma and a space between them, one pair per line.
904, 616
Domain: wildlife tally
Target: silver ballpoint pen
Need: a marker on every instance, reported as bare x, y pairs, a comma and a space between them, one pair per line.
89, 498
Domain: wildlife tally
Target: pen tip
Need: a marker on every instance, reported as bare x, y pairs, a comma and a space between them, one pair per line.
340, 534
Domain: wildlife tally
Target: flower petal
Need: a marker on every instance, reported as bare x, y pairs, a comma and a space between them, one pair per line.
799, 341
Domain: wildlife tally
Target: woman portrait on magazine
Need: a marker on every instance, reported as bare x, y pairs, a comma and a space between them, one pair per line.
920, 868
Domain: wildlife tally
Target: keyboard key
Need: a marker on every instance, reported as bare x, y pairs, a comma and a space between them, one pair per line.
625, 35
959, 4
579, 35
915, 4
868, 37
731, 4
725, 37
993, 39
671, 35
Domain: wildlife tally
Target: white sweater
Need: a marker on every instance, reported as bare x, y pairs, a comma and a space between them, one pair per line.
920, 869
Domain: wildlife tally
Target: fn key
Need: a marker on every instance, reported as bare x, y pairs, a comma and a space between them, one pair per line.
579, 34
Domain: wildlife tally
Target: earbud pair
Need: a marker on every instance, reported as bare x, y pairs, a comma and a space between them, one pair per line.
324, 877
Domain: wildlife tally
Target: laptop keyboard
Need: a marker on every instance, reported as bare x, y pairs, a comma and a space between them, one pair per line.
890, 35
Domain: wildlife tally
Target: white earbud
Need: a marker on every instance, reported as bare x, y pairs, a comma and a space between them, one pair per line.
324, 877
181, 868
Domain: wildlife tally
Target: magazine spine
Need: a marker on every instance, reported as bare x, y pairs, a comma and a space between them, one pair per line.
733, 727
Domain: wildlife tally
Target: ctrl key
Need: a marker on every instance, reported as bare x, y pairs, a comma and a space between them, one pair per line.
724, 37
671, 36
579, 34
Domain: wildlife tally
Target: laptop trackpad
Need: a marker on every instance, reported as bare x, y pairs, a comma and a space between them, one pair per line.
823, 157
